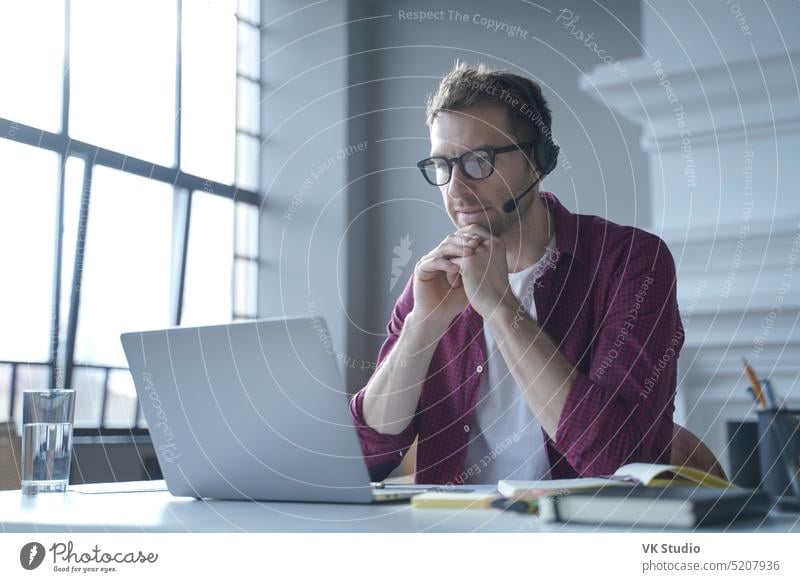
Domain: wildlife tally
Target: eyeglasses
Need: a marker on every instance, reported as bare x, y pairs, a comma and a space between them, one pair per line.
475, 164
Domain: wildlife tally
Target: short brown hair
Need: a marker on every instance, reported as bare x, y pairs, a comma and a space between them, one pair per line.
466, 85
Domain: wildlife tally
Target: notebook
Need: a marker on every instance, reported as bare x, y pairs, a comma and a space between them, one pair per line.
668, 507
647, 474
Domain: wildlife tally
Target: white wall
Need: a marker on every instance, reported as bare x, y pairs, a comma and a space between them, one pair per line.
717, 97
304, 109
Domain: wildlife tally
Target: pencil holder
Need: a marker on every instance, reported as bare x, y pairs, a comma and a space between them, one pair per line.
779, 453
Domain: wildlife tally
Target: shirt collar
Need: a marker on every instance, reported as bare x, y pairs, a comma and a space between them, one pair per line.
536, 270
566, 225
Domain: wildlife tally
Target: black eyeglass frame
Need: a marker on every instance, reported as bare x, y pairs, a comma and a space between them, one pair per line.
460, 161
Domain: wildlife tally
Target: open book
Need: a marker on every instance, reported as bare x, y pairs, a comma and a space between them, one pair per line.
629, 475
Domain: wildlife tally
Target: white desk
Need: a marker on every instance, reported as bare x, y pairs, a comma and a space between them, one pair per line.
158, 511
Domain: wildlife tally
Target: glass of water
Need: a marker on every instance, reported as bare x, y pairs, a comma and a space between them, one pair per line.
47, 417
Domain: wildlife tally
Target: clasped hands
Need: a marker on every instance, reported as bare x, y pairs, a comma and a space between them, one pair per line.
468, 266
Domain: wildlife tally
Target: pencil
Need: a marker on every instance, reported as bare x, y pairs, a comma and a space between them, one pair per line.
751, 375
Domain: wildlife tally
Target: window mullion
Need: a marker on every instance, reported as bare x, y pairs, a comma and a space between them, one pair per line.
55, 380
65, 88
178, 92
182, 214
75, 291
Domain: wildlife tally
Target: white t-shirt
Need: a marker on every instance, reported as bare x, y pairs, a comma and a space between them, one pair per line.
506, 440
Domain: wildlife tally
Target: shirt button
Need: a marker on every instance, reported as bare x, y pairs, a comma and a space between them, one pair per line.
479, 369
466, 428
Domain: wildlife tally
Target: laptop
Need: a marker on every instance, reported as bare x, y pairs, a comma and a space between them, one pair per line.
252, 410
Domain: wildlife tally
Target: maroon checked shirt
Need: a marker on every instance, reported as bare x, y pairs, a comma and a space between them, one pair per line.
608, 302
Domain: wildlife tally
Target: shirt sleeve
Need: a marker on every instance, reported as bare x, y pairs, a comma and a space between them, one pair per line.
384, 452
621, 411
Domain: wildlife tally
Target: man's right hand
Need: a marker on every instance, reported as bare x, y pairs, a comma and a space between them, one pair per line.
438, 292
392, 394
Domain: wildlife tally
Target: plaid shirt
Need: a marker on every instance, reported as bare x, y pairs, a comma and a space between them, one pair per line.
608, 303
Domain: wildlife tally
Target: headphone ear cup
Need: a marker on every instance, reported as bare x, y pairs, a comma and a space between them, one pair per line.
546, 156
553, 150
545, 152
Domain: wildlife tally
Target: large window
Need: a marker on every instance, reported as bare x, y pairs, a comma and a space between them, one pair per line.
129, 186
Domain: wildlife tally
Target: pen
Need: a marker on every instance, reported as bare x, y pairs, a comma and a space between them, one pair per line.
517, 505
769, 394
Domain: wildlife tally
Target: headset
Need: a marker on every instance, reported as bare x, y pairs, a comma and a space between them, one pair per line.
545, 151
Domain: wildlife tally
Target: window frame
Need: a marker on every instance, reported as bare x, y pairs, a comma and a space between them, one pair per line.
61, 360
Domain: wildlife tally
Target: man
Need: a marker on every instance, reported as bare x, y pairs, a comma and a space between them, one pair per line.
532, 342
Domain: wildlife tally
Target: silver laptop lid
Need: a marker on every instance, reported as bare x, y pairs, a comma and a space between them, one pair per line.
249, 410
